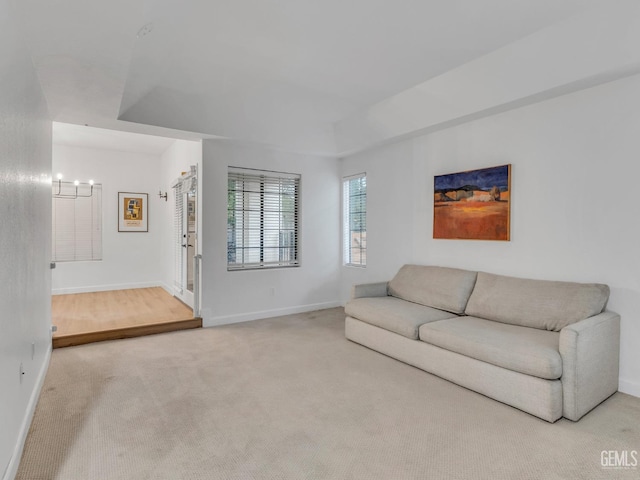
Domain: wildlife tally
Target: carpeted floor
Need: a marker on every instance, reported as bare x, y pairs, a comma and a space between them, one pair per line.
291, 398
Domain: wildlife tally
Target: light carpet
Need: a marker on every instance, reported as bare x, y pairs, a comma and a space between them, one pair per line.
291, 398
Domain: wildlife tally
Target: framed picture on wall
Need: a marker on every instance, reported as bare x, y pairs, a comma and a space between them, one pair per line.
473, 205
133, 212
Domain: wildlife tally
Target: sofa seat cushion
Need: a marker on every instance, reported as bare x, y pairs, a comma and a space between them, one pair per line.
393, 314
535, 303
437, 287
521, 349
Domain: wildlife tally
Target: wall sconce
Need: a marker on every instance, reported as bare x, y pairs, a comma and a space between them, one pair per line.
163, 195
76, 184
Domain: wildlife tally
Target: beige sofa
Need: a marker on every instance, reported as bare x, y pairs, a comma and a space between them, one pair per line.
548, 348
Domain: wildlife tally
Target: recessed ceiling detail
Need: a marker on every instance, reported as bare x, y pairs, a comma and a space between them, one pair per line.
280, 72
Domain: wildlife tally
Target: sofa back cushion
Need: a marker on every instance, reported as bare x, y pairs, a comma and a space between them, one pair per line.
540, 304
438, 287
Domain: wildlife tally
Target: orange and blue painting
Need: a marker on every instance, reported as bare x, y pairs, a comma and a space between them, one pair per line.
473, 205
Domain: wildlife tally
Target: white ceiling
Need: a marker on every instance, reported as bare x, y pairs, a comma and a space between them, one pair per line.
92, 137
271, 71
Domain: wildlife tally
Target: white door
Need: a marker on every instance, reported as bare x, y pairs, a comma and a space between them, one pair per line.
186, 237
189, 239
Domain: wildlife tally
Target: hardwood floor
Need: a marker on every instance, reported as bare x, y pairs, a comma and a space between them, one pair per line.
92, 317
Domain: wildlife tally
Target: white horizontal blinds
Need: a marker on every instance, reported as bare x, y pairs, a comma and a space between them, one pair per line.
262, 219
355, 220
64, 229
77, 223
178, 238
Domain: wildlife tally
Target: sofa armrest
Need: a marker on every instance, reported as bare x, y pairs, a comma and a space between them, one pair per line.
590, 351
369, 290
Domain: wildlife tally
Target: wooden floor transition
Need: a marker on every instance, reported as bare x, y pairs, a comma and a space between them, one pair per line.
92, 317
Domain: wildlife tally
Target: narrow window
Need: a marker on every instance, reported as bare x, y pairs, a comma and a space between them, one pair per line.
77, 222
262, 219
354, 216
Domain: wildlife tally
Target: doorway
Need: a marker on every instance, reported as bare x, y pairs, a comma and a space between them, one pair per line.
187, 259
117, 283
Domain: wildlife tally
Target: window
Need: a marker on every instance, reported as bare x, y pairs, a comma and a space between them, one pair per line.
355, 220
77, 222
262, 219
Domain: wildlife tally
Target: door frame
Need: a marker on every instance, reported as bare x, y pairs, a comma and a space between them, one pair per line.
191, 298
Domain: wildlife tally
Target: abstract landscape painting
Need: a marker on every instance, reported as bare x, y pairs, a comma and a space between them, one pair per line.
473, 205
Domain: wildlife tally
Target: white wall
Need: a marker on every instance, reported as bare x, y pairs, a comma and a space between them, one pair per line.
25, 240
129, 260
236, 296
175, 160
574, 199
389, 213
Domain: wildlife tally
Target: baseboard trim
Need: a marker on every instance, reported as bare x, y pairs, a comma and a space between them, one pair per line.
14, 463
246, 317
630, 388
168, 289
108, 288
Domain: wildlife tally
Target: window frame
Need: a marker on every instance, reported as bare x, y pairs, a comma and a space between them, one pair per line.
347, 220
288, 239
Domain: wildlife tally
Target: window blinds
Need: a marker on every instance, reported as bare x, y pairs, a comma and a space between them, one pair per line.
263, 219
354, 218
77, 225
178, 239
